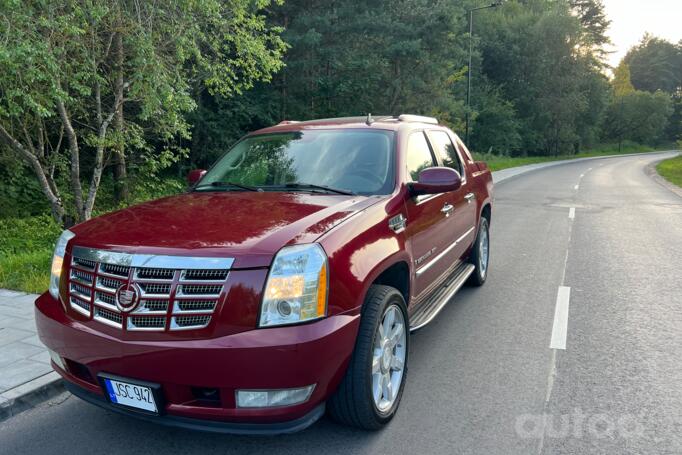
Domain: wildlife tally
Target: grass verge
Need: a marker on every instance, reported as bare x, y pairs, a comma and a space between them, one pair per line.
26, 246
671, 170
497, 162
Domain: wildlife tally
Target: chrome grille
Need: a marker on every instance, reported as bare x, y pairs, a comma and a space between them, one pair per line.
109, 284
204, 275
112, 269
82, 277
105, 299
146, 322
153, 306
85, 264
194, 306
155, 288
200, 289
108, 317
80, 291
155, 274
189, 322
80, 306
177, 293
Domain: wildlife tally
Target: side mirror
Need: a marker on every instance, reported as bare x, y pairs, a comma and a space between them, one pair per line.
434, 180
195, 175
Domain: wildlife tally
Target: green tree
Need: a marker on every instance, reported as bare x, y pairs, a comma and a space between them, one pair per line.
638, 116
655, 64
82, 80
532, 51
622, 84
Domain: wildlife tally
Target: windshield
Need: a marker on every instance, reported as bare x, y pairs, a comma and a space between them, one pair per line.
355, 161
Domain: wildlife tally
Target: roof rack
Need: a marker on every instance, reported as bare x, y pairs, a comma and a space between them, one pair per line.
417, 119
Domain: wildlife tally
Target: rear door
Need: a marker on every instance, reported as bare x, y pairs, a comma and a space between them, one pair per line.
427, 230
462, 221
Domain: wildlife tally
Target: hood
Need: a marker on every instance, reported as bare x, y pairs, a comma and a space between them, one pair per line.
247, 226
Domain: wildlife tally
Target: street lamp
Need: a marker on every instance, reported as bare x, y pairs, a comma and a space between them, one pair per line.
471, 51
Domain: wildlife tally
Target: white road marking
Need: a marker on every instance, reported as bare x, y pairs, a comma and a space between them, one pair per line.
560, 326
571, 213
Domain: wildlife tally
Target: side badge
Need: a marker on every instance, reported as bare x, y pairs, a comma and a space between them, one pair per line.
397, 223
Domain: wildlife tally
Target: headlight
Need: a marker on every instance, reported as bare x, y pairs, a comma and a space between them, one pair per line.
58, 261
296, 289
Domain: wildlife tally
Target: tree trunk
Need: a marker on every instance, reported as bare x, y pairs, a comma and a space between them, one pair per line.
75, 160
121, 191
44, 178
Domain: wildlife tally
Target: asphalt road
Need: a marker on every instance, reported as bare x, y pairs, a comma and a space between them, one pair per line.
483, 378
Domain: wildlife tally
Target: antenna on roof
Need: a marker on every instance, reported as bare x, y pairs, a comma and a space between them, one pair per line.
369, 120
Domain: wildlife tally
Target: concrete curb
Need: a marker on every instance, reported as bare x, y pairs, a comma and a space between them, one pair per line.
26, 396
653, 173
507, 174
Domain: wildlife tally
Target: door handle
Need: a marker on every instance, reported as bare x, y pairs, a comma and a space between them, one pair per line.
470, 197
447, 209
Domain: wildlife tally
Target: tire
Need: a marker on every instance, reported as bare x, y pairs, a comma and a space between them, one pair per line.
477, 257
354, 401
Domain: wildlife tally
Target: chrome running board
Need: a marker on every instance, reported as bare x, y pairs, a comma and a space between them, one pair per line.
428, 310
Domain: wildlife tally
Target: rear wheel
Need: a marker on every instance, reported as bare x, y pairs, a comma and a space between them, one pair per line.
480, 254
370, 392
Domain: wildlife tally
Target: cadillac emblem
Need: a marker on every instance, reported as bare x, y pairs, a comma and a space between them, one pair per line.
127, 297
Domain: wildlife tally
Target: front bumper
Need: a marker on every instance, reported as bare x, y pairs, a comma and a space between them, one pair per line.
275, 358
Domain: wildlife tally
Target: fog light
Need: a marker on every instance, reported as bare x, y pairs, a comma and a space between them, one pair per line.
272, 398
57, 360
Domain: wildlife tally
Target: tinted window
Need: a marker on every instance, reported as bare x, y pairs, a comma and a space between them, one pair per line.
418, 155
352, 160
462, 148
445, 150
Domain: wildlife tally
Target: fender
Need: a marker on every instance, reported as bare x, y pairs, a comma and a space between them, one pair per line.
359, 253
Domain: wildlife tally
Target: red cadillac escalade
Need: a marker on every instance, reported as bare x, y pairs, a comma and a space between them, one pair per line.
286, 281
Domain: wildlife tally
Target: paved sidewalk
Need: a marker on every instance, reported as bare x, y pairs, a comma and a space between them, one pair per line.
25, 371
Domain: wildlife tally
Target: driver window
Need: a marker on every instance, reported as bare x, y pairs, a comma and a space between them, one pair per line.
418, 155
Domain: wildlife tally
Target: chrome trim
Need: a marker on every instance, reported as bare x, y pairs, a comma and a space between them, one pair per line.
132, 327
177, 311
79, 308
174, 325
422, 198
454, 287
447, 209
398, 223
155, 261
426, 266
470, 197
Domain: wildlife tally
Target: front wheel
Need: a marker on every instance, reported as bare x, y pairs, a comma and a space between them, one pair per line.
370, 392
480, 254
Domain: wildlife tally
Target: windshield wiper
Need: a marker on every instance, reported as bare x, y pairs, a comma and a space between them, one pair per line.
227, 184
318, 187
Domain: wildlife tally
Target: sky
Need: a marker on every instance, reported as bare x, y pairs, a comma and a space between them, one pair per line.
630, 19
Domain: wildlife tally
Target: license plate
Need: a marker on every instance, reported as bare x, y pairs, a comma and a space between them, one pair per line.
132, 395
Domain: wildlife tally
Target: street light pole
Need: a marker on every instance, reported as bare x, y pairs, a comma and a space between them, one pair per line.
471, 52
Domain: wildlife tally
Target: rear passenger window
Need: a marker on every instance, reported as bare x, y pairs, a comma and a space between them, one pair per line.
446, 151
418, 155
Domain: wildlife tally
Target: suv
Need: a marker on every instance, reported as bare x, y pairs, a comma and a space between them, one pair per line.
286, 280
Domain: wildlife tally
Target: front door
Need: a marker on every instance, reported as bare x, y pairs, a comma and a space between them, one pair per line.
462, 222
428, 230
